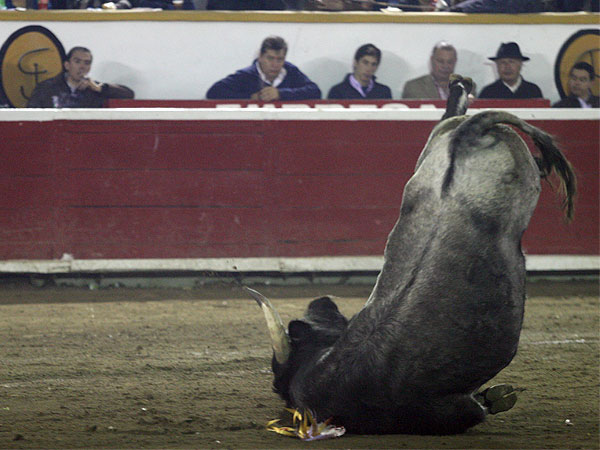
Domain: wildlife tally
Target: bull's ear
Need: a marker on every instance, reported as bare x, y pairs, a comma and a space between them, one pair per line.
324, 312
299, 330
325, 304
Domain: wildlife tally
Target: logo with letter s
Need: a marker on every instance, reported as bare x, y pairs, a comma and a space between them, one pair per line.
29, 56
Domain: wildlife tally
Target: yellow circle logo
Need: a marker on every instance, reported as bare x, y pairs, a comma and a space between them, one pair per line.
29, 56
583, 46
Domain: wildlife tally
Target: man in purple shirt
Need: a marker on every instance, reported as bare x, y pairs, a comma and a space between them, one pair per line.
361, 84
269, 78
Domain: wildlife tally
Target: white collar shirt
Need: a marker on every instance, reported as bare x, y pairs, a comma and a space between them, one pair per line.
277, 81
583, 103
516, 86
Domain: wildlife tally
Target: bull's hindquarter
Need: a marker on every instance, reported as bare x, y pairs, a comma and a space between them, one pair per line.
447, 309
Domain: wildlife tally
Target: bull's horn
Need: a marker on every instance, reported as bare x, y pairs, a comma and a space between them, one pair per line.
279, 338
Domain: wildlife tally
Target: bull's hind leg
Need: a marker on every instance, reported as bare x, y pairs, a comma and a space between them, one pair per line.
458, 412
452, 414
498, 398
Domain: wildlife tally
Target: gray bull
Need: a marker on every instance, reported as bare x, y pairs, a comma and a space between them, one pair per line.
446, 312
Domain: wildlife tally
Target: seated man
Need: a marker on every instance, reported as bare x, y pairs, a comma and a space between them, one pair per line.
511, 84
269, 78
580, 95
73, 89
361, 82
435, 84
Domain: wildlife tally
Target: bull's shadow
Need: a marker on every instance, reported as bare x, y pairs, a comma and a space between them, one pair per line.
446, 311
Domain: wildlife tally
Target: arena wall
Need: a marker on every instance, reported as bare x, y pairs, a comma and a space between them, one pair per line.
178, 55
232, 186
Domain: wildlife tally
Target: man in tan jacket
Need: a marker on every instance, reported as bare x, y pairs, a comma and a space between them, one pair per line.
434, 85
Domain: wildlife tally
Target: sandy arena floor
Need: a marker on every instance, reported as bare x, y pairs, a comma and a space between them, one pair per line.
148, 368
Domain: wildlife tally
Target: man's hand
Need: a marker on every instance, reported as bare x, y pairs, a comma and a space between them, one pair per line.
88, 83
266, 94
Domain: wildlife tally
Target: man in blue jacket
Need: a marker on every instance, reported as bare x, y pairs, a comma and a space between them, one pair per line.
269, 78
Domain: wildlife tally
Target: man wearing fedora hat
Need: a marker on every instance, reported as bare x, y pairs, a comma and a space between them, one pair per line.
511, 84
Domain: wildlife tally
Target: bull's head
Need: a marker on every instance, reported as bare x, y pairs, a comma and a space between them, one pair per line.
279, 337
297, 349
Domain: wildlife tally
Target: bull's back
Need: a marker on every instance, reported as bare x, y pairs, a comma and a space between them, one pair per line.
453, 277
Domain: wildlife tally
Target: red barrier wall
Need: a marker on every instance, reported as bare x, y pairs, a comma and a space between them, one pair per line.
197, 189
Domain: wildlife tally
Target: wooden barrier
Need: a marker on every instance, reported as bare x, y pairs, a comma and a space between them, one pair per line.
136, 183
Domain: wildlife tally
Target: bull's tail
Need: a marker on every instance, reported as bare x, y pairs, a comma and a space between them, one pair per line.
468, 133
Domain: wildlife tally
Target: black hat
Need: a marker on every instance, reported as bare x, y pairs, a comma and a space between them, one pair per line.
509, 50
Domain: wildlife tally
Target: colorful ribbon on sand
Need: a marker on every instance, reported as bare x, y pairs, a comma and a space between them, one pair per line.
306, 427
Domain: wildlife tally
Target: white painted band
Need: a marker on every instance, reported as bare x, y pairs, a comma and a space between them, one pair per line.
275, 264
561, 342
390, 112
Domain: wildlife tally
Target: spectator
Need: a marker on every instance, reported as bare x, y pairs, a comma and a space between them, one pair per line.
499, 6
269, 78
580, 82
511, 84
435, 84
361, 82
340, 5
246, 5
122, 4
73, 89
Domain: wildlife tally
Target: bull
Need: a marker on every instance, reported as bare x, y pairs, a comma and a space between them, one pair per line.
446, 312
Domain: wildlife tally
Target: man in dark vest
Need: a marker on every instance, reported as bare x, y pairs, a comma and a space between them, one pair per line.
72, 88
511, 84
580, 82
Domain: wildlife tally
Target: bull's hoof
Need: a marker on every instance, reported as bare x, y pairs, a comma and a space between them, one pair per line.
498, 398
